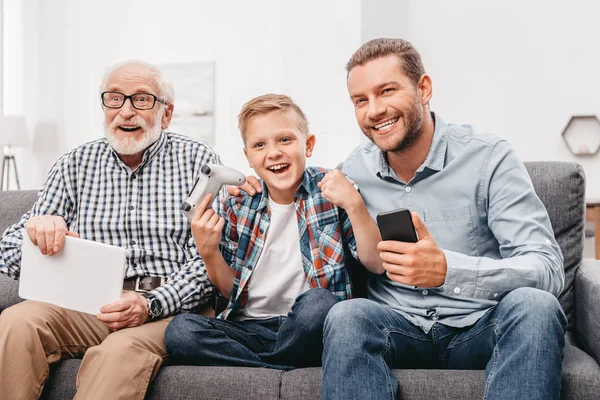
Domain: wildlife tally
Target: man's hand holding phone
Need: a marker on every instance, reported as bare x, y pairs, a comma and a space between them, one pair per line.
421, 263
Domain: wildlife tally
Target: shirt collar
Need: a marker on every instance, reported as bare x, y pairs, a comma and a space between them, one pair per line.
155, 148
437, 152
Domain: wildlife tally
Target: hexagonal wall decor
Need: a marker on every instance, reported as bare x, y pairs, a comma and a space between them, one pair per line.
582, 135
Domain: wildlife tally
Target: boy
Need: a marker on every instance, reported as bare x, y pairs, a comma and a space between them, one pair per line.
280, 257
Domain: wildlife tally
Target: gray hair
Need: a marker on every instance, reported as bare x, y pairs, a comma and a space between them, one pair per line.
165, 88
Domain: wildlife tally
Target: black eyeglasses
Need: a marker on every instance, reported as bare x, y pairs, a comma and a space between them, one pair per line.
139, 101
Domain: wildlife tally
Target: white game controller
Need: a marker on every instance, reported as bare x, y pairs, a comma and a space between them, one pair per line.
211, 179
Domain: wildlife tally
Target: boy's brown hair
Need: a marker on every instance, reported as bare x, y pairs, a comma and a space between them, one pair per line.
268, 103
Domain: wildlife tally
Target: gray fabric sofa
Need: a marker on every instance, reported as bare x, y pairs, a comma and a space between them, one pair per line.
561, 186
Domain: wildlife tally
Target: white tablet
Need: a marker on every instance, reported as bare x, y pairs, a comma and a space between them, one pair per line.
83, 276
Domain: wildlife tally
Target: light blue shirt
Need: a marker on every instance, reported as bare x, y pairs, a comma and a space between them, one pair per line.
478, 202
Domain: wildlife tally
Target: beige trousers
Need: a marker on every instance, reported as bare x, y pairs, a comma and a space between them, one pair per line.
115, 365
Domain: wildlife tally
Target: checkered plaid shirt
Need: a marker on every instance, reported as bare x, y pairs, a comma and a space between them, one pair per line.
325, 238
104, 201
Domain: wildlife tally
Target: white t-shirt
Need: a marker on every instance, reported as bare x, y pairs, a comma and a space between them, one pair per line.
278, 277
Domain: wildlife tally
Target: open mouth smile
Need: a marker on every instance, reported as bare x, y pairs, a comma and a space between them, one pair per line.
279, 168
129, 129
386, 126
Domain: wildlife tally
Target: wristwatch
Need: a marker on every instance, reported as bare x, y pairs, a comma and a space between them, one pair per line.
154, 307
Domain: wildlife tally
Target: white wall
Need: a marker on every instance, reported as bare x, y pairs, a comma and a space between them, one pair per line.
243, 40
318, 39
519, 69
260, 46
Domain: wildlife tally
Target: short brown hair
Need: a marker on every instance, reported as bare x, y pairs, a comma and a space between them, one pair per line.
268, 103
409, 57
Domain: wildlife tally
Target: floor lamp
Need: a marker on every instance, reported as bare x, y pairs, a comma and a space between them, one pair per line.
13, 133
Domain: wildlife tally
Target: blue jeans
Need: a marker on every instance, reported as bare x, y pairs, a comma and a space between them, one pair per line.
284, 342
519, 343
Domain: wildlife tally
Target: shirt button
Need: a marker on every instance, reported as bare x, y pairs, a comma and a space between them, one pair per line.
262, 231
425, 292
133, 176
408, 189
131, 207
456, 290
548, 241
495, 294
435, 317
132, 242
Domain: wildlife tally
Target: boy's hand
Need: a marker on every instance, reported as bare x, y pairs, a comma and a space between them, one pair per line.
206, 228
251, 186
339, 190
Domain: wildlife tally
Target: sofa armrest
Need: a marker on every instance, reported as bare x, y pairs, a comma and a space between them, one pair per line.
587, 307
9, 292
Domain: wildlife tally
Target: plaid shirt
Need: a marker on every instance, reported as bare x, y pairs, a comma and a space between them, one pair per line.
104, 201
325, 237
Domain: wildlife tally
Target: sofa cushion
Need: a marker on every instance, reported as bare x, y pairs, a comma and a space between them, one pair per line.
561, 187
14, 205
227, 383
580, 381
61, 382
9, 292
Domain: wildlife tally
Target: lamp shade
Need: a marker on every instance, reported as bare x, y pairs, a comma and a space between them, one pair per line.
13, 131
45, 137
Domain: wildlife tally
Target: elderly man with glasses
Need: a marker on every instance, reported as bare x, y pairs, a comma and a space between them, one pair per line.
124, 190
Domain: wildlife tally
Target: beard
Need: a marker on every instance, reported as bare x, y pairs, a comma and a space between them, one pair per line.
412, 121
130, 145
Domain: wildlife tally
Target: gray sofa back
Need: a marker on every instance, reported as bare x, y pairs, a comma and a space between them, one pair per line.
560, 186
13, 204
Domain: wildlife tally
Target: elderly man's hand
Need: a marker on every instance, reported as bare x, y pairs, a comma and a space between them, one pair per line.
129, 311
48, 233
251, 186
420, 264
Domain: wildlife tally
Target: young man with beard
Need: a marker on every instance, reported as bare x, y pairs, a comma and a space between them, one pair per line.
478, 290
124, 190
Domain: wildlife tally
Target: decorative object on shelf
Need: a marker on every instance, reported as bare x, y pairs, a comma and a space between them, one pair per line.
13, 133
582, 135
45, 137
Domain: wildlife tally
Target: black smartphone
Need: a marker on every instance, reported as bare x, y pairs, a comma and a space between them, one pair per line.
397, 225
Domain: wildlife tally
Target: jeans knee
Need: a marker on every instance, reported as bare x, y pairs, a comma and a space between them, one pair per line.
182, 332
315, 302
536, 300
346, 315
539, 308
